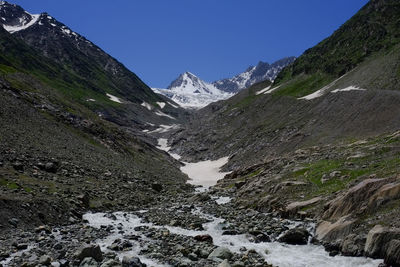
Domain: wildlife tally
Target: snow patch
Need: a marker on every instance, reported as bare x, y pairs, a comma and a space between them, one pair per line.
205, 173
272, 90
90, 100
263, 90
350, 88
165, 128
24, 25
161, 104
147, 105
114, 98
163, 145
162, 114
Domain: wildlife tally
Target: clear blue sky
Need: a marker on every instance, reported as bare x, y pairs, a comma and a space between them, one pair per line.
214, 39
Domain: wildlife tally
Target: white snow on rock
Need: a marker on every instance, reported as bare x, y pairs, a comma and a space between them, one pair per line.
350, 88
263, 90
161, 104
165, 128
271, 90
162, 114
163, 145
321, 91
90, 100
147, 105
114, 98
205, 173
24, 23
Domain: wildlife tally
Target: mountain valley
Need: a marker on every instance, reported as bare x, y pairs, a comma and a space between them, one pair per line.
294, 163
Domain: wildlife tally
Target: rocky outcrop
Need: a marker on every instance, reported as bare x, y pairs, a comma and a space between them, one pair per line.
392, 254
294, 207
296, 236
354, 200
378, 239
330, 232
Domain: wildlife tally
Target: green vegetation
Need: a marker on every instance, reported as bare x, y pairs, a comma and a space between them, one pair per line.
375, 28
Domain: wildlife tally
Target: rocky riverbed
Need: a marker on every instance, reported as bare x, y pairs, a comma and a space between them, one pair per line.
193, 229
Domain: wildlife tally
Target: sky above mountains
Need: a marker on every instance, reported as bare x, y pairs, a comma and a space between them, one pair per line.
160, 39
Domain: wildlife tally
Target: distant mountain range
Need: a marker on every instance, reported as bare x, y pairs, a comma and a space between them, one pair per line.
190, 91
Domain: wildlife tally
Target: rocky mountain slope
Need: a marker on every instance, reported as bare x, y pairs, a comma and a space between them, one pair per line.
68, 142
321, 140
190, 91
91, 77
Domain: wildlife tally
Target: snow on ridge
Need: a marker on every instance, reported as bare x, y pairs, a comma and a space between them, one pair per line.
25, 25
272, 89
114, 98
321, 91
349, 88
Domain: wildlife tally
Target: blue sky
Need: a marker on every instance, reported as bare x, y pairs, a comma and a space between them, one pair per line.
214, 39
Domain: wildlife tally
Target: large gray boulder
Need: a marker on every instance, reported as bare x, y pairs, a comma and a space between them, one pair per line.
132, 262
220, 253
89, 251
392, 253
295, 236
378, 239
89, 262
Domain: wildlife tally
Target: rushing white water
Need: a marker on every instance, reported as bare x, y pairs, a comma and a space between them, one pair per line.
275, 253
205, 173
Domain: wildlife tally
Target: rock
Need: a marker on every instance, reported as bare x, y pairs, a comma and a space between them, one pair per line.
225, 263
220, 253
378, 239
330, 232
88, 262
89, 251
355, 199
192, 257
353, 245
230, 232
18, 166
238, 264
132, 262
22, 246
13, 222
392, 253
157, 187
296, 236
202, 197
240, 184
43, 228
204, 238
84, 199
51, 167
294, 207
45, 260
111, 263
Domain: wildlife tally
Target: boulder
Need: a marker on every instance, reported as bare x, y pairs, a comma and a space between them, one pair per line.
88, 262
89, 251
355, 199
295, 236
45, 260
132, 262
204, 238
378, 239
220, 253
330, 232
353, 245
392, 253
111, 263
294, 207
225, 263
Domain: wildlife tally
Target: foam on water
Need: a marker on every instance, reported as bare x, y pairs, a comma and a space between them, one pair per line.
275, 253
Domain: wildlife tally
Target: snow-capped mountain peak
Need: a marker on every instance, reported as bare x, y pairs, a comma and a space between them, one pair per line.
190, 91
14, 18
189, 83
